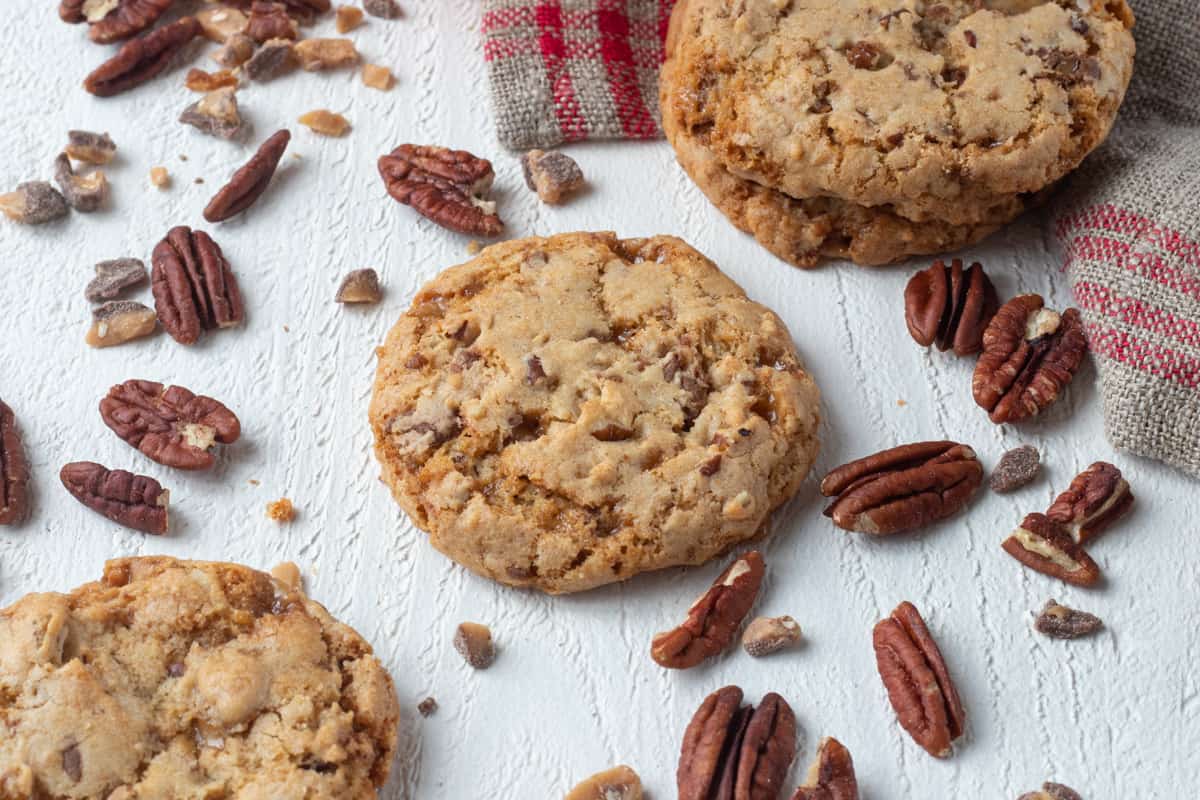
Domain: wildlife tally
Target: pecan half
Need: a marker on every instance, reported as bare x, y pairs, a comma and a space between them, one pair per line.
1097, 498
917, 681
831, 776
1052, 791
134, 501
903, 488
1030, 354
14, 470
141, 59
172, 426
249, 182
713, 619
194, 288
1043, 545
445, 186
735, 752
618, 783
1059, 622
950, 307
112, 20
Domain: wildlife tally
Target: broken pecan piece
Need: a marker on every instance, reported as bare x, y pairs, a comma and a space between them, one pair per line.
618, 783
194, 288
445, 186
1030, 354
903, 488
134, 501
950, 307
249, 182
141, 59
712, 620
1059, 622
111, 20
172, 426
735, 752
917, 681
14, 470
831, 776
1042, 544
270, 21
1097, 498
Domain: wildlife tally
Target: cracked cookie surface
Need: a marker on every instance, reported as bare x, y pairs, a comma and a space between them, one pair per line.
188, 680
951, 111
567, 412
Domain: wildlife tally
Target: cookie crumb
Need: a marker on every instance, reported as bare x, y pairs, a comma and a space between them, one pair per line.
427, 707
473, 247
159, 177
474, 643
281, 510
254, 482
289, 575
901, 403
377, 76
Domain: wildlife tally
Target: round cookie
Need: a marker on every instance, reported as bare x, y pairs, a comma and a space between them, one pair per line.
570, 411
951, 111
188, 679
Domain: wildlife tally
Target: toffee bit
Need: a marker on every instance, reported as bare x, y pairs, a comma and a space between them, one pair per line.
34, 203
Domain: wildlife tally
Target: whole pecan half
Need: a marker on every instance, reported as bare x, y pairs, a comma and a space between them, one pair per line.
115, 19
14, 470
446, 186
1042, 544
831, 776
1052, 791
194, 288
713, 620
903, 488
1030, 354
249, 182
141, 59
134, 501
171, 426
735, 752
950, 307
1097, 498
917, 681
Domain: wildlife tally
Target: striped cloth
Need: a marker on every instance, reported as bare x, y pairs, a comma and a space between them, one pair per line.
565, 70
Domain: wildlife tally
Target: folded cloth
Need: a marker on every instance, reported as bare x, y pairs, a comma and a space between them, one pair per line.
565, 70
1129, 225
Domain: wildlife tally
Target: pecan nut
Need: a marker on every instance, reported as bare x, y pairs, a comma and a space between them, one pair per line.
1052, 791
831, 776
134, 501
172, 426
445, 186
903, 488
112, 20
950, 307
713, 619
1059, 622
1043, 545
194, 288
917, 681
735, 752
1030, 353
14, 470
1097, 498
249, 182
141, 59
270, 21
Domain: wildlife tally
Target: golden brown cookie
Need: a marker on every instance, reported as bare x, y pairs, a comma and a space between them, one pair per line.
187, 679
570, 411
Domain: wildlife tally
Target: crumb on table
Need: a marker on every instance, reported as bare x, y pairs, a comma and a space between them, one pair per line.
281, 510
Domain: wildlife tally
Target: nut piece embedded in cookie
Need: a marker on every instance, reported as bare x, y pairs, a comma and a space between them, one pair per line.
735, 751
1043, 545
14, 471
618, 783
82, 192
831, 775
917, 681
360, 286
171, 425
902, 489
1017, 468
553, 175
141, 59
1052, 791
34, 203
1097, 498
92, 148
1059, 622
950, 307
194, 287
443, 185
713, 620
134, 501
474, 643
250, 181
766, 635
1030, 354
120, 321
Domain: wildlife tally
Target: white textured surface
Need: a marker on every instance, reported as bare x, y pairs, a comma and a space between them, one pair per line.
574, 689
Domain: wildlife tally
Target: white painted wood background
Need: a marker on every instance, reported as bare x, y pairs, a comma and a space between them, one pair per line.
573, 690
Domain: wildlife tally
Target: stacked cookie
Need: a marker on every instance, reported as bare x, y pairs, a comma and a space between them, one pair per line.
855, 129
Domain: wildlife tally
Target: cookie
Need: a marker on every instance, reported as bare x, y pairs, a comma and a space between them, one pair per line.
566, 412
186, 679
951, 112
